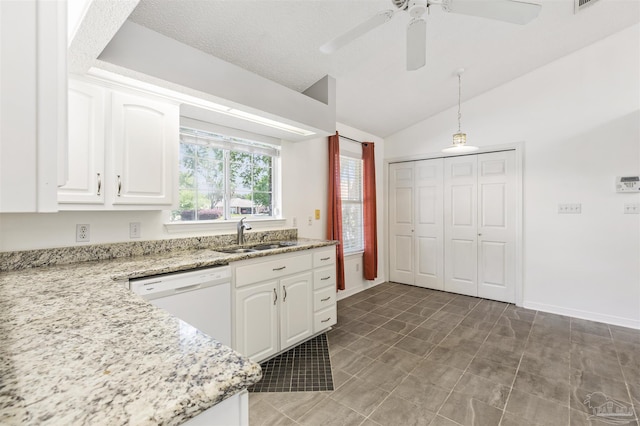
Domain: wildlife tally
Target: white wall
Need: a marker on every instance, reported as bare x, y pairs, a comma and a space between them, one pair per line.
305, 174
579, 119
304, 189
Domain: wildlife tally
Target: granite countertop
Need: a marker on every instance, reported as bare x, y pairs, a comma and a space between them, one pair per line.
79, 348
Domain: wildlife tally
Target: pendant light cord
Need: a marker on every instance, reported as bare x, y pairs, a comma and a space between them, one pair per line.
459, 100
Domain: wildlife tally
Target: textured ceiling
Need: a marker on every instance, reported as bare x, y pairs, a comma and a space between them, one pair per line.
280, 40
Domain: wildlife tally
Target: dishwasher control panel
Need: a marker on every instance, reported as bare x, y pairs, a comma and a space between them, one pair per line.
163, 285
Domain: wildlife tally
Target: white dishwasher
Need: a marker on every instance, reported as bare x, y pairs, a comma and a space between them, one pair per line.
201, 298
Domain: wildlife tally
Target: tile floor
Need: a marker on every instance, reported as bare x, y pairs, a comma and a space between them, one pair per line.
306, 367
404, 355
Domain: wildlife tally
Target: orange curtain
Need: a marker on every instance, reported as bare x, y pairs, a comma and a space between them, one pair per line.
370, 256
334, 207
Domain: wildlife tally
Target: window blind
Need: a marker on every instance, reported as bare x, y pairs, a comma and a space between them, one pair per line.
351, 194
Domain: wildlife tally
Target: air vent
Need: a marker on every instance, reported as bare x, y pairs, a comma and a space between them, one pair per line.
581, 4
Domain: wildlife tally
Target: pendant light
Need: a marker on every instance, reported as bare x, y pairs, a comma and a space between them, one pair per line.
459, 144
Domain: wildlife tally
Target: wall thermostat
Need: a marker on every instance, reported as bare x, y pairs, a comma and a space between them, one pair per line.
627, 183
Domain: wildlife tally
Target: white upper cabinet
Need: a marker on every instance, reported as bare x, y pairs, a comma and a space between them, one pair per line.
33, 84
86, 145
123, 150
144, 140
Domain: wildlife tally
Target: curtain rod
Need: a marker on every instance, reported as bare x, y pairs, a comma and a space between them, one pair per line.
352, 140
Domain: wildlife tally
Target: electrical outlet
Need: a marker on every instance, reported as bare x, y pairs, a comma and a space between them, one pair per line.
357, 267
310, 221
295, 222
570, 208
134, 230
632, 208
82, 233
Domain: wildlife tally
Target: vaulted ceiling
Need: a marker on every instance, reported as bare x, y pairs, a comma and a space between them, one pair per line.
280, 40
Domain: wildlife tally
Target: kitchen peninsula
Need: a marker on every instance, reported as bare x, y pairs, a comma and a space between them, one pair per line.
80, 348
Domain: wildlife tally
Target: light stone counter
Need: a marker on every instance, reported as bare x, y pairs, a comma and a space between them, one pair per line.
77, 348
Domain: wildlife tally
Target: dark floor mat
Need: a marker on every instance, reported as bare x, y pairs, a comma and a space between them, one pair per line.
305, 368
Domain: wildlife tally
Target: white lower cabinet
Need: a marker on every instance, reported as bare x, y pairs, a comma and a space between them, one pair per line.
256, 320
278, 302
296, 309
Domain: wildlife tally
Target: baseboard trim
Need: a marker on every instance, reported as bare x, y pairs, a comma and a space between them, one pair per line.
587, 315
354, 290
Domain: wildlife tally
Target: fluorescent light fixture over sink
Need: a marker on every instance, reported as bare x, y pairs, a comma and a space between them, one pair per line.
459, 144
113, 77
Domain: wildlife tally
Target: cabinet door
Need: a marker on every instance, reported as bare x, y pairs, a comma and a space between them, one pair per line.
256, 313
145, 139
33, 116
296, 309
401, 226
85, 183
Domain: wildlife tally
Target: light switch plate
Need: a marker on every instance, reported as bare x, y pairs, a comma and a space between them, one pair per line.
575, 208
632, 208
134, 230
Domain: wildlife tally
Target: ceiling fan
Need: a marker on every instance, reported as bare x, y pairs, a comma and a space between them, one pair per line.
516, 12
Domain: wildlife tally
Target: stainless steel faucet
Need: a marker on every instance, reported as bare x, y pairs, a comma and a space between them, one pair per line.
241, 227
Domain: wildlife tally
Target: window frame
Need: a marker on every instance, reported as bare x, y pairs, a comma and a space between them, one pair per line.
228, 144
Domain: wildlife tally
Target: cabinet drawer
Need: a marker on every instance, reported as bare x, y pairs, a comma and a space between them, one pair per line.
324, 298
324, 257
324, 277
324, 319
271, 269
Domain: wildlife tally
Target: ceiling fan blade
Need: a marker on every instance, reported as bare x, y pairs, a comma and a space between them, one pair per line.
357, 31
516, 12
416, 44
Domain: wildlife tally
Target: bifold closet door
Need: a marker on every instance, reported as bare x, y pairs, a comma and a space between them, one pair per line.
401, 206
429, 227
479, 211
461, 228
496, 226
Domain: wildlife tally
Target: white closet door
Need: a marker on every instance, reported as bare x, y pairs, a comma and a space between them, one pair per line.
496, 226
460, 229
429, 228
401, 268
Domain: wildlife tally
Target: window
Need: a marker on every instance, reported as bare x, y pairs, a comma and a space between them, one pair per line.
223, 178
351, 194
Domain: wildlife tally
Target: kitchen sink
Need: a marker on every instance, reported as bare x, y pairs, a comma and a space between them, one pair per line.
237, 250
259, 247
266, 247
272, 246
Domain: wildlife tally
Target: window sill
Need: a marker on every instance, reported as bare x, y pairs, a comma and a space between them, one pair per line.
354, 253
229, 225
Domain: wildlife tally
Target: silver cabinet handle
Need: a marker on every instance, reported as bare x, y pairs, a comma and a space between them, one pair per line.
325, 299
279, 269
119, 185
325, 278
99, 184
325, 258
284, 299
326, 320
275, 296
